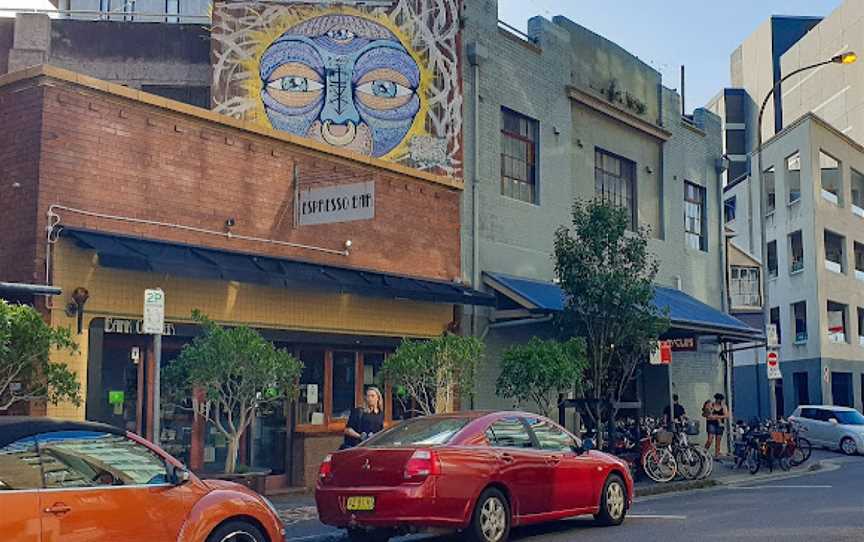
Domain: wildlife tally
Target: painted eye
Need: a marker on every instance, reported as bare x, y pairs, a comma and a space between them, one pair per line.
293, 83
384, 89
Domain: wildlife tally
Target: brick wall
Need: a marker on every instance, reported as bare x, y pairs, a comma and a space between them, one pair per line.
105, 153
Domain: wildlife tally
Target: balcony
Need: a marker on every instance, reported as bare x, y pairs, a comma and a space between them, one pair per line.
830, 196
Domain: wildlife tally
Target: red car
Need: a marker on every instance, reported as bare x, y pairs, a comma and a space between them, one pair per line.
479, 472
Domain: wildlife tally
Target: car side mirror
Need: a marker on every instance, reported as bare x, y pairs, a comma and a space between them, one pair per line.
177, 475
833, 421
587, 445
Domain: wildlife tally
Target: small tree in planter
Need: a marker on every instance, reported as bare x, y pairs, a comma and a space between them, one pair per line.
433, 373
538, 371
26, 374
236, 371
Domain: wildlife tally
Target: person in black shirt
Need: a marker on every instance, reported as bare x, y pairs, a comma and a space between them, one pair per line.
680, 414
365, 421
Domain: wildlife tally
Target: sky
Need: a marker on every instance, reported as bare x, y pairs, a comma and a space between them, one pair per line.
700, 34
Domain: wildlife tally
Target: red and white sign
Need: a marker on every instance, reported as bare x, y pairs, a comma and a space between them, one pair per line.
663, 354
773, 366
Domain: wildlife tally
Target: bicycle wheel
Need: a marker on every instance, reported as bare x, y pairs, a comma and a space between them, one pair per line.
707, 463
802, 452
659, 465
690, 463
753, 460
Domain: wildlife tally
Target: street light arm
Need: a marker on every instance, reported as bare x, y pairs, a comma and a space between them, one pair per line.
776, 87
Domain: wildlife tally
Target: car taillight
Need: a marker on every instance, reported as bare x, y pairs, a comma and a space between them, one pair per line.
326, 469
421, 464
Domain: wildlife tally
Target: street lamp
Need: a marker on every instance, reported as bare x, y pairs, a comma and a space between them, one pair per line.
848, 57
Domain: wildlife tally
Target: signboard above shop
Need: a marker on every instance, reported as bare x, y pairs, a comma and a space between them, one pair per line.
342, 203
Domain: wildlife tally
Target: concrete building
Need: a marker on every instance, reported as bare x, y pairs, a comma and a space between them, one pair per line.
815, 267
563, 113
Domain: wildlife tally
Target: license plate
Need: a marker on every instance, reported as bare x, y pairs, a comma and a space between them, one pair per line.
360, 504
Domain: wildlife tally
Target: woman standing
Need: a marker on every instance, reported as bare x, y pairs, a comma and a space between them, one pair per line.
715, 413
365, 421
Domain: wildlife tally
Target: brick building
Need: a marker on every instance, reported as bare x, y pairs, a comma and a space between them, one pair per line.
138, 191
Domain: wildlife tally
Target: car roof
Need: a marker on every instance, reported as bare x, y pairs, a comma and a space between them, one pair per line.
13, 428
829, 407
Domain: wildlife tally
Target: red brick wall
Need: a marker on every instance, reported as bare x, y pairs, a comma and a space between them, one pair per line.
117, 156
20, 132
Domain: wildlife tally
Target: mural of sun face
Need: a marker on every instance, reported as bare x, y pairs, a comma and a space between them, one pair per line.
343, 80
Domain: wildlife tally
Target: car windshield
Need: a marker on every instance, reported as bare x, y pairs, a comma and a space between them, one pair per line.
418, 432
849, 417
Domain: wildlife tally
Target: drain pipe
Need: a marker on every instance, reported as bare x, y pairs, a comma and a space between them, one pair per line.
476, 54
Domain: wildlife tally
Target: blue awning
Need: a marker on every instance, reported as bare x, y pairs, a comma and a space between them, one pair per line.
685, 312
136, 254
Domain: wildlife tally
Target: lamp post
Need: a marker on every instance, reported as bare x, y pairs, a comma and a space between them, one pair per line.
844, 58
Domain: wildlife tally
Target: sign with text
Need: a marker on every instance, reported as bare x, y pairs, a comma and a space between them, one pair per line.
773, 363
771, 336
126, 326
663, 354
154, 311
683, 344
342, 203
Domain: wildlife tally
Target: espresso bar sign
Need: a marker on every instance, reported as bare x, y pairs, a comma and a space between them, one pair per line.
342, 203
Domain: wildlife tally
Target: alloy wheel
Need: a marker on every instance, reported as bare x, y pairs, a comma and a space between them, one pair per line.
615, 500
848, 446
238, 536
493, 519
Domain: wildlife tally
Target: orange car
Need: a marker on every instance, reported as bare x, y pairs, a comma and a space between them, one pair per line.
63, 481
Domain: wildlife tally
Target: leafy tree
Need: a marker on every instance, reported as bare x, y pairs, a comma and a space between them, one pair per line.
538, 371
607, 274
234, 371
26, 374
433, 373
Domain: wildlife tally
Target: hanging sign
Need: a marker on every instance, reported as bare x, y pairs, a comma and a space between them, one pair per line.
773, 364
663, 354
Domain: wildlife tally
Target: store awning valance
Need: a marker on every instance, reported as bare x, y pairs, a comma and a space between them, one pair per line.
136, 254
686, 313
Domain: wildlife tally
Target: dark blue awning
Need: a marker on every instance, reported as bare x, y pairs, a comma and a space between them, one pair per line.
685, 312
135, 254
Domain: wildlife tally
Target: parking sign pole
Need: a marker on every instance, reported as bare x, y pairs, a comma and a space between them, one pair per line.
154, 324
157, 409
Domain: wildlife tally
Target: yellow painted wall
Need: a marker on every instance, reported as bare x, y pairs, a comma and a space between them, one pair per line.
121, 293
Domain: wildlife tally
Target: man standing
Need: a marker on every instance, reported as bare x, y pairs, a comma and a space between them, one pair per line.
678, 409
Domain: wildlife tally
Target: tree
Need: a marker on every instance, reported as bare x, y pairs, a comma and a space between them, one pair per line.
607, 275
540, 370
26, 373
433, 373
230, 373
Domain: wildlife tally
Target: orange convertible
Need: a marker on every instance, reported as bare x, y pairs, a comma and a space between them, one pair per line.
79, 481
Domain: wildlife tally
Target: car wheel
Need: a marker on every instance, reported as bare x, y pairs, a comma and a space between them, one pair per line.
369, 535
491, 519
848, 446
237, 531
613, 502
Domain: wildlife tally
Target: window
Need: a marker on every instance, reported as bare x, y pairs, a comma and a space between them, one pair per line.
837, 331
831, 178
736, 142
774, 318
615, 182
93, 458
799, 319
104, 8
744, 286
857, 192
793, 177
802, 390
509, 433
19, 466
729, 209
772, 259
770, 190
310, 403
796, 252
809, 413
344, 365
736, 169
128, 10
695, 230
841, 395
418, 432
860, 326
518, 156
550, 437
172, 7
834, 254
858, 248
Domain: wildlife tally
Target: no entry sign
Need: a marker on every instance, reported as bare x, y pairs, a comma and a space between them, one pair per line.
773, 363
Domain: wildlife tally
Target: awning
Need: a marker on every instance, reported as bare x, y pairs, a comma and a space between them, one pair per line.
136, 254
686, 313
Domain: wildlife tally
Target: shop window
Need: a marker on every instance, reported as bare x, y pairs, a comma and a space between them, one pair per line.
615, 182
835, 259
729, 209
831, 178
802, 389
772, 259
857, 181
770, 190
744, 286
837, 319
344, 389
774, 318
310, 403
799, 319
796, 252
793, 177
841, 391
518, 156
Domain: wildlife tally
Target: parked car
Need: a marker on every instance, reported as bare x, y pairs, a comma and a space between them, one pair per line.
838, 428
480, 472
80, 481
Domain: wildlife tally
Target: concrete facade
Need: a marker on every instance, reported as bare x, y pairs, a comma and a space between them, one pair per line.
559, 75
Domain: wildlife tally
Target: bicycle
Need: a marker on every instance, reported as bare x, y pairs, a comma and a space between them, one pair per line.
658, 461
690, 458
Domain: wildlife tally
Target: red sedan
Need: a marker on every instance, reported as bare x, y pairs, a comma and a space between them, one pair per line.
478, 472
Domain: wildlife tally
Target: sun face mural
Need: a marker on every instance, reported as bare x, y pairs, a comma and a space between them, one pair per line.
356, 80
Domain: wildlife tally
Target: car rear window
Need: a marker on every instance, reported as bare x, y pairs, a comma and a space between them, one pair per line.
418, 432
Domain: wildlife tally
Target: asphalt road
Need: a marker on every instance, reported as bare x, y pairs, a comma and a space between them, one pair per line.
824, 506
